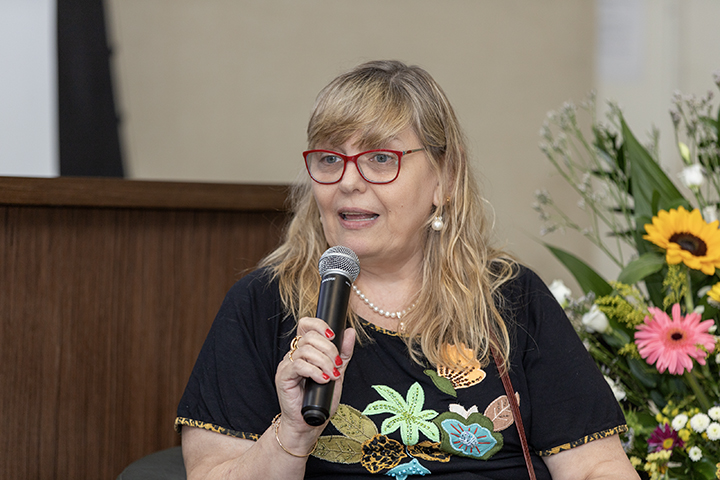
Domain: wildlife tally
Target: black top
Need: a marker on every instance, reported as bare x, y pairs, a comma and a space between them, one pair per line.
399, 418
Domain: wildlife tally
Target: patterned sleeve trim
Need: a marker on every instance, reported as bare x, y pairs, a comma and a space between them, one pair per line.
587, 439
189, 422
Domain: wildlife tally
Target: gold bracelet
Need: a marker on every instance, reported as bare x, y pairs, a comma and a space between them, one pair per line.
276, 422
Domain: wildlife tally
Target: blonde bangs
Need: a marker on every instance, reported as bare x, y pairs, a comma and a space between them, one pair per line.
371, 112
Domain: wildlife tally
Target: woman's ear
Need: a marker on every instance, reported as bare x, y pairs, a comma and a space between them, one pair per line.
438, 194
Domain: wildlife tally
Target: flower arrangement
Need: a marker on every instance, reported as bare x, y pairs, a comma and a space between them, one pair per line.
652, 329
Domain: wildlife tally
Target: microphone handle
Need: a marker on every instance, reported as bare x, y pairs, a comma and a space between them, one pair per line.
332, 307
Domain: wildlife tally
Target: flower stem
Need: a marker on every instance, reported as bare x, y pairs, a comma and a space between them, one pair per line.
699, 393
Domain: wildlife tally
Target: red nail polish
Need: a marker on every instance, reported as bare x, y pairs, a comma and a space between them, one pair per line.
338, 361
329, 333
336, 372
326, 376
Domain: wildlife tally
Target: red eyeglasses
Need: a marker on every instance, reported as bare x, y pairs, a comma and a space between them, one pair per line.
375, 166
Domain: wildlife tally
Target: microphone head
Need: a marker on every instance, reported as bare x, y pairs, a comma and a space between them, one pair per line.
340, 260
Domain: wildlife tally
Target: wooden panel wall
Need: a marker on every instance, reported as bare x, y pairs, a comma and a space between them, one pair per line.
104, 309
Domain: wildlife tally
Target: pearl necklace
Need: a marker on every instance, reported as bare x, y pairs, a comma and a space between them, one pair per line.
381, 311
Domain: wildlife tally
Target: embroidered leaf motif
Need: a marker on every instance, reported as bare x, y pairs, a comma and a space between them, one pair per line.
442, 383
408, 414
352, 423
380, 453
401, 472
500, 413
472, 437
428, 451
460, 410
338, 449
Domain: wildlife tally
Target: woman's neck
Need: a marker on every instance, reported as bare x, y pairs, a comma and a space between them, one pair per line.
383, 297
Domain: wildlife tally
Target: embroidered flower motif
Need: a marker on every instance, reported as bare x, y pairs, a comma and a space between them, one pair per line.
466, 372
401, 472
473, 440
408, 414
472, 437
674, 343
664, 438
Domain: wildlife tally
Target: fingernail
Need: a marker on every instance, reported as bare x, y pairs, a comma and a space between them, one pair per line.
326, 376
336, 372
329, 333
338, 361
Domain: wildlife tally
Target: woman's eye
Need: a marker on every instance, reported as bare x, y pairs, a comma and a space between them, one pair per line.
330, 159
382, 158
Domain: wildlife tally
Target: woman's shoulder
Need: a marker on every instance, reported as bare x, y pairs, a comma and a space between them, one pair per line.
260, 279
524, 280
255, 288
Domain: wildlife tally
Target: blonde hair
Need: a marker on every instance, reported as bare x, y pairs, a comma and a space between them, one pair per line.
459, 302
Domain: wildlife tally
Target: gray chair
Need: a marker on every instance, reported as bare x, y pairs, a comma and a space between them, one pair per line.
163, 465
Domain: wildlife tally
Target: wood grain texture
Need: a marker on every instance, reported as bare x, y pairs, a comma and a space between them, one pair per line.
102, 314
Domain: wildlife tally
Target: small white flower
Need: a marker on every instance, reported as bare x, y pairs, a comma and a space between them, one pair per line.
595, 320
714, 413
713, 431
695, 453
693, 176
617, 389
710, 213
561, 292
699, 422
679, 422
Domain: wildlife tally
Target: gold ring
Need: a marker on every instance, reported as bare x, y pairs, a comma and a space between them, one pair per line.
294, 346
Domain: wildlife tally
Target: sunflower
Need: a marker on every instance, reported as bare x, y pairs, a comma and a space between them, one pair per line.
686, 238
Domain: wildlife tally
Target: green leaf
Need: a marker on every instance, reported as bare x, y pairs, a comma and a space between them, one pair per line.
352, 423
338, 449
443, 384
646, 264
643, 372
648, 178
588, 279
705, 468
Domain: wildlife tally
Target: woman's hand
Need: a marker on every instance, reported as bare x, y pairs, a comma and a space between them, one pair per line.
318, 358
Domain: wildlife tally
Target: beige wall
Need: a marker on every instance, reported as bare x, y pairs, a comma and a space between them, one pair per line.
221, 90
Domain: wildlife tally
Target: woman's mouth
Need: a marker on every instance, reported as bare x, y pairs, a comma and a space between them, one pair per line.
358, 216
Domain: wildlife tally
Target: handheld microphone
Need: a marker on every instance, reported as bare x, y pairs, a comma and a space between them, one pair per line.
339, 267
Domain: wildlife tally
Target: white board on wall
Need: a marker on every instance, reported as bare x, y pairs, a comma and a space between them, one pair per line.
28, 88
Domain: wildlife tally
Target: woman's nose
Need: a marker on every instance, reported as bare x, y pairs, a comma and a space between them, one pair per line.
352, 180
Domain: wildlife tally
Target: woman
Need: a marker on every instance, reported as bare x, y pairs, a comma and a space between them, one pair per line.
437, 314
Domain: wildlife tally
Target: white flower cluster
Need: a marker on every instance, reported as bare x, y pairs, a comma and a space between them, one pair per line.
699, 423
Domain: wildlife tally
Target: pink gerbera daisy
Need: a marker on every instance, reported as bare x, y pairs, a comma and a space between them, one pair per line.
673, 343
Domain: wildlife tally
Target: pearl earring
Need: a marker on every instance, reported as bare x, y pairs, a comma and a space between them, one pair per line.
437, 223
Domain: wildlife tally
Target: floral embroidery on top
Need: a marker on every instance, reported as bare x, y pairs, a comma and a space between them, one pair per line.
360, 442
408, 414
469, 437
465, 373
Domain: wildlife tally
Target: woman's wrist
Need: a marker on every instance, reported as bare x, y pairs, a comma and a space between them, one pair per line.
276, 428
